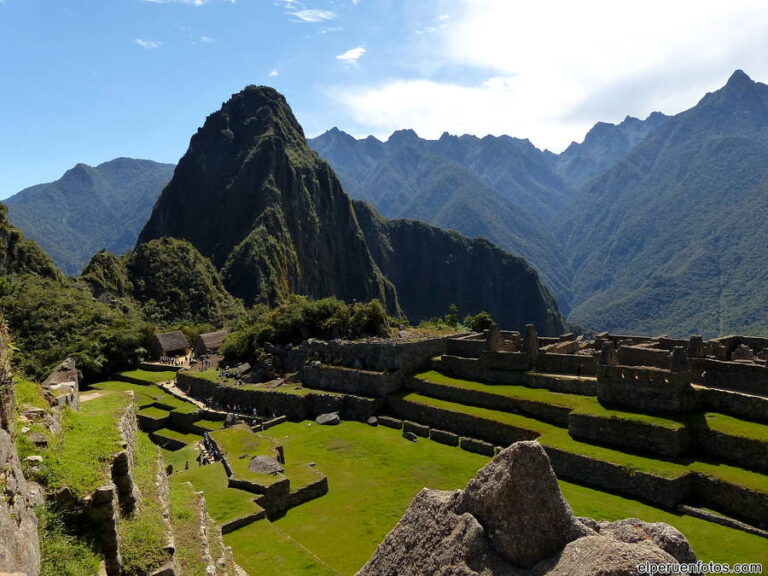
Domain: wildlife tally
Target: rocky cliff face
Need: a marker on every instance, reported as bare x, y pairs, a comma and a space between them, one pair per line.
434, 268
272, 216
250, 195
512, 520
19, 543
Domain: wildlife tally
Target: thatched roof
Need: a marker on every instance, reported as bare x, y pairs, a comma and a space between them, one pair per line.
172, 341
212, 341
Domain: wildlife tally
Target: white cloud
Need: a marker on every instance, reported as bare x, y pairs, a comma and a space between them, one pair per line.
208, 40
314, 15
147, 44
555, 67
352, 55
272, 73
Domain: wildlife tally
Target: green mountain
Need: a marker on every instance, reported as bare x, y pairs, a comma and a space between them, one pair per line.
672, 238
434, 268
272, 216
90, 209
19, 255
501, 189
603, 146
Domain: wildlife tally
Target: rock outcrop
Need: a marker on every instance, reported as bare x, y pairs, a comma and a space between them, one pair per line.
512, 520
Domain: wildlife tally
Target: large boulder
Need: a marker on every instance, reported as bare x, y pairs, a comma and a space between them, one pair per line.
512, 520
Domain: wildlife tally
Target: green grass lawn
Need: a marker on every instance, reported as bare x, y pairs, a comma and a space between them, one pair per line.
180, 436
373, 474
154, 412
148, 394
239, 445
736, 427
224, 504
209, 425
185, 520
149, 376
81, 456
178, 458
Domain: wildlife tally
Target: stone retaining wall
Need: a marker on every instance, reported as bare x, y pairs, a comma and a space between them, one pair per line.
547, 412
744, 452
383, 356
635, 435
566, 364
233, 525
463, 424
309, 492
734, 500
123, 462
444, 437
351, 380
477, 446
506, 361
736, 404
295, 407
466, 346
471, 369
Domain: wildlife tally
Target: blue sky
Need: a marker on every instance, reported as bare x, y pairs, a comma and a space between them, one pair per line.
91, 80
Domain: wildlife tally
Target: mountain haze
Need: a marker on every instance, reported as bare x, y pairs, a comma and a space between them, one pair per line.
672, 237
89, 209
500, 189
251, 195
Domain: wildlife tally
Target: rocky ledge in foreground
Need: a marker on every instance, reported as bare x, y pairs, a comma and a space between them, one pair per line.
512, 520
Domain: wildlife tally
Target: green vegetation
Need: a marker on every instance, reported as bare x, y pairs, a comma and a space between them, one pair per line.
80, 457
299, 318
52, 319
154, 412
577, 403
185, 521
148, 376
19, 255
142, 537
239, 445
29, 394
224, 504
479, 322
735, 427
63, 551
373, 474
559, 438
184, 437
175, 283
148, 394
114, 198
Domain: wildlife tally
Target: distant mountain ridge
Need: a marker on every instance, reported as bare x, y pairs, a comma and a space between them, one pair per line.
89, 209
251, 195
455, 183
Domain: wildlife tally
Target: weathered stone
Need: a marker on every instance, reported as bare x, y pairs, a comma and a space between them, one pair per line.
743, 352
477, 446
416, 428
38, 439
608, 355
390, 422
696, 347
494, 340
531, 342
679, 359
666, 537
329, 419
372, 421
517, 499
598, 555
35, 459
265, 465
410, 436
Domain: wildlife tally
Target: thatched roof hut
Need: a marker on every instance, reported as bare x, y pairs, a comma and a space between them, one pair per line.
170, 344
210, 342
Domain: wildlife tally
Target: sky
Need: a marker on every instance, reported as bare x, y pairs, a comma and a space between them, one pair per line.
91, 80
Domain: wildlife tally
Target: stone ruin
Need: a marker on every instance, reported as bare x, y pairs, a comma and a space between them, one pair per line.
512, 520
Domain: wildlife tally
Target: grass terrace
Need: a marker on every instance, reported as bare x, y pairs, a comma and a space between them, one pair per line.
224, 504
142, 537
148, 394
149, 376
178, 436
559, 438
577, 403
185, 522
239, 445
154, 412
80, 457
373, 474
736, 427
29, 394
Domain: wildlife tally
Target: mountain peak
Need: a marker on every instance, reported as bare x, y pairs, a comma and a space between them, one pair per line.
403, 136
739, 78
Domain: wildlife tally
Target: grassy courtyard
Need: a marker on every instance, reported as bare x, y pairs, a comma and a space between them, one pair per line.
373, 474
